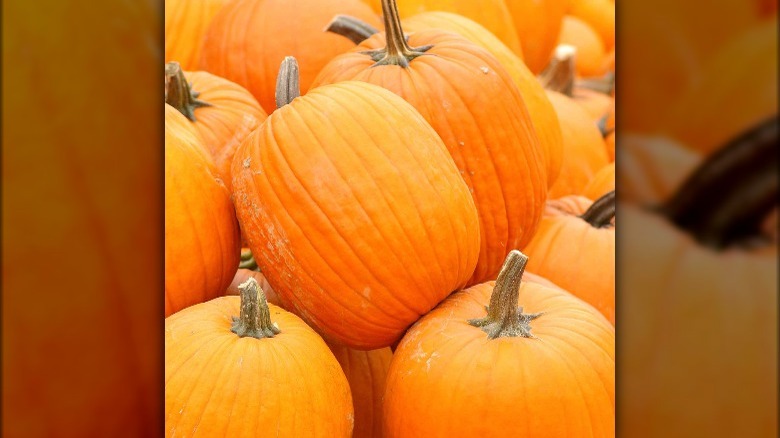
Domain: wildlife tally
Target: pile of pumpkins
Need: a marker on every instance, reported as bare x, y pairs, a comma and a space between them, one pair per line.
389, 218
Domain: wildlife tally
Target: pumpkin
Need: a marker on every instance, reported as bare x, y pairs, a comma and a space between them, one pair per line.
556, 258
471, 102
591, 52
201, 231
260, 361
366, 372
731, 95
709, 262
341, 190
540, 109
185, 24
248, 39
602, 183
584, 151
492, 14
248, 269
223, 112
599, 15
546, 368
538, 24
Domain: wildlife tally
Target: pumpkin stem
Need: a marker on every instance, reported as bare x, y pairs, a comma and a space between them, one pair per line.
255, 317
351, 28
287, 82
504, 318
604, 84
601, 212
560, 72
397, 50
179, 93
724, 201
602, 125
247, 260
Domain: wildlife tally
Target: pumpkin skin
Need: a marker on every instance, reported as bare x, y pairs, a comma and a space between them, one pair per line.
538, 24
575, 350
366, 372
602, 182
553, 256
330, 247
599, 16
251, 383
488, 133
584, 151
201, 230
242, 275
244, 42
541, 111
230, 115
591, 53
185, 24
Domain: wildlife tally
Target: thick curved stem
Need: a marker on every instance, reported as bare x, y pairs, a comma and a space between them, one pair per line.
397, 50
504, 318
255, 317
351, 28
729, 195
601, 212
179, 93
560, 72
287, 82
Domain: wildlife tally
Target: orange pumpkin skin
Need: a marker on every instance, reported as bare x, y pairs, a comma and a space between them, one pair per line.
448, 379
609, 141
584, 150
591, 52
242, 275
538, 24
553, 256
602, 182
595, 103
201, 230
492, 14
471, 102
366, 372
250, 384
599, 15
306, 190
185, 24
541, 111
244, 42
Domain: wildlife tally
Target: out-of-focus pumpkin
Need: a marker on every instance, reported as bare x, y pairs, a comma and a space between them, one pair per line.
599, 15
185, 24
602, 183
546, 368
591, 53
538, 24
235, 365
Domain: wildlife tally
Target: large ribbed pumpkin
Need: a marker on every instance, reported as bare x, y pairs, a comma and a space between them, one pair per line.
240, 367
248, 39
223, 112
185, 24
472, 103
545, 369
201, 230
355, 212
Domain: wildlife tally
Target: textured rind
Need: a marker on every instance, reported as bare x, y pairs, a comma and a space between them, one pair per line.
355, 212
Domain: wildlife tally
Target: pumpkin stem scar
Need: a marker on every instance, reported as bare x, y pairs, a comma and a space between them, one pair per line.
255, 317
504, 318
560, 72
601, 212
397, 50
179, 93
351, 28
287, 82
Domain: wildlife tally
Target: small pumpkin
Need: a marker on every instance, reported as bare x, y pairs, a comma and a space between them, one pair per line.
259, 361
201, 230
599, 15
538, 24
185, 24
248, 39
470, 100
341, 190
546, 368
223, 112
602, 182
591, 51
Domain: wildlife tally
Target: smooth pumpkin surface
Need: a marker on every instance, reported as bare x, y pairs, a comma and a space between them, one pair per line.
248, 39
185, 24
218, 383
599, 15
340, 191
603, 181
201, 230
591, 52
449, 378
538, 24
470, 100
366, 372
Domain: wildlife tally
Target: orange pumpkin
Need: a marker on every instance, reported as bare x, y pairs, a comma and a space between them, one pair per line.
602, 183
556, 258
538, 24
185, 24
488, 133
591, 52
201, 231
599, 16
366, 372
244, 273
248, 39
256, 367
223, 112
305, 186
546, 368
